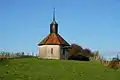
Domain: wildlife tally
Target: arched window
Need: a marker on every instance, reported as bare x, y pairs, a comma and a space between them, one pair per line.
51, 50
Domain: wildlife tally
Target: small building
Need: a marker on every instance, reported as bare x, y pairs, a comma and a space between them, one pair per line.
53, 46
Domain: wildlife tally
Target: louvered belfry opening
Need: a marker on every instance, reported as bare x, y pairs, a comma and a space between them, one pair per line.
54, 27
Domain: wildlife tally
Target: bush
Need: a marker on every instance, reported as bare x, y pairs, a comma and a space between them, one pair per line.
75, 50
114, 64
79, 57
87, 52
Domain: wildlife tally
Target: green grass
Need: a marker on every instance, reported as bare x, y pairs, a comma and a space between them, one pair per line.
36, 69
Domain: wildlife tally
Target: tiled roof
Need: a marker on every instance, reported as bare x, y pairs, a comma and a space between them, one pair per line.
54, 39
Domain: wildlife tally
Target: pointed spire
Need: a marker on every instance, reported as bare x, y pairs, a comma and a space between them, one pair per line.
53, 14
54, 25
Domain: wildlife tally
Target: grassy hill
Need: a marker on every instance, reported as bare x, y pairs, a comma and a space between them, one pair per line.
36, 69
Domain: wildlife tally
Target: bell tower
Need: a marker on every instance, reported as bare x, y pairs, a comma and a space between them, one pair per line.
54, 25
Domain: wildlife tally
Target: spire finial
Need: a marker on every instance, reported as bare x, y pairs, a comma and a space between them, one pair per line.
53, 14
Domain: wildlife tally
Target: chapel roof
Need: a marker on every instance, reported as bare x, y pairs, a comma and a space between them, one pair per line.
54, 39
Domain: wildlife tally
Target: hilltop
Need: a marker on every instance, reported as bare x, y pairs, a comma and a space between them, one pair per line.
36, 69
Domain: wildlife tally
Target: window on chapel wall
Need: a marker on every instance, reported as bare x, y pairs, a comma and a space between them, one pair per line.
51, 50
61, 51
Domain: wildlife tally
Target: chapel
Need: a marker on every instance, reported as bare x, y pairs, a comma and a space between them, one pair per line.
53, 46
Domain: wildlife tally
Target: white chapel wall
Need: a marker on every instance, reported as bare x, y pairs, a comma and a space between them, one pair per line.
45, 51
42, 51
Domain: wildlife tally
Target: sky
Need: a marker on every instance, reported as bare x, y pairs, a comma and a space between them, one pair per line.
93, 24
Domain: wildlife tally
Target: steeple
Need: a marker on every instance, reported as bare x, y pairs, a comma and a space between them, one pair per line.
53, 14
54, 25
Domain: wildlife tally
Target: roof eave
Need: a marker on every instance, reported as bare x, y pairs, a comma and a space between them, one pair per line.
54, 44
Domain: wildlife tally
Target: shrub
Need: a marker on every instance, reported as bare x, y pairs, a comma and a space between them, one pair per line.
114, 64
75, 50
79, 57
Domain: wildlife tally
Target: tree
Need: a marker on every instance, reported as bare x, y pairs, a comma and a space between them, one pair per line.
114, 63
96, 53
87, 52
75, 50
76, 53
23, 53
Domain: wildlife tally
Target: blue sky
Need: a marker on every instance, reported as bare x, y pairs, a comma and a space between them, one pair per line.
93, 24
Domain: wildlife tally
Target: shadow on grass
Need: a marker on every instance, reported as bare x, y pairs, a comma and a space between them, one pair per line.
4, 62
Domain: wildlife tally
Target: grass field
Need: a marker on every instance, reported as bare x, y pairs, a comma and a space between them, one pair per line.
36, 69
